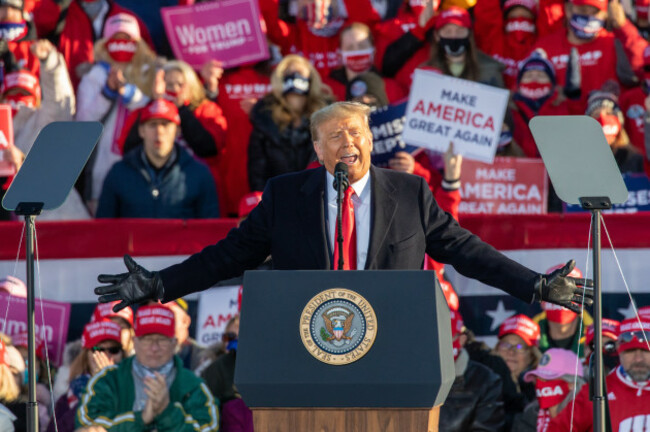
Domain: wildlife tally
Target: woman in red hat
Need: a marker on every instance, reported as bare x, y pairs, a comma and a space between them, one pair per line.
101, 347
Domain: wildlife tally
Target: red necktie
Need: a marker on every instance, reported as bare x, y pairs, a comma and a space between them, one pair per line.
349, 234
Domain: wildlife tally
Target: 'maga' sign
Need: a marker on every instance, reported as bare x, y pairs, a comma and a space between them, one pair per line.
444, 109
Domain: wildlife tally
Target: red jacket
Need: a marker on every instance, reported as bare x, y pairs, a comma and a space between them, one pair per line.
492, 39
236, 86
550, 17
597, 58
322, 52
522, 114
632, 103
77, 40
387, 32
628, 406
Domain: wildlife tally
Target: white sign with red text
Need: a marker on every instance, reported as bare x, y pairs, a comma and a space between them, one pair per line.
443, 109
216, 307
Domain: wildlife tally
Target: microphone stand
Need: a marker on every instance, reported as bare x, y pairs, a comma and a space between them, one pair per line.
340, 180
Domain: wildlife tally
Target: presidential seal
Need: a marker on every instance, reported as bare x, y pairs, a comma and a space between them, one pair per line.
338, 326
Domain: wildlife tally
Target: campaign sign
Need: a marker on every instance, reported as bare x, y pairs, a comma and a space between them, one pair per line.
387, 124
55, 330
6, 140
216, 307
227, 30
638, 196
443, 109
508, 186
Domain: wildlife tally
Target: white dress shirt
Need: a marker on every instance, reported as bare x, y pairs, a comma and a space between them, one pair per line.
361, 202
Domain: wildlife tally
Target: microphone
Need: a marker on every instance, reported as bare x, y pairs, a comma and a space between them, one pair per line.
341, 176
341, 183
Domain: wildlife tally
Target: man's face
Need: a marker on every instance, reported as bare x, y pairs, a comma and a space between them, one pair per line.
10, 14
636, 363
354, 40
345, 139
154, 350
158, 136
182, 322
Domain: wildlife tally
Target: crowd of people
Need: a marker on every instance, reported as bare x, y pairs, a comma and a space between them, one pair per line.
185, 143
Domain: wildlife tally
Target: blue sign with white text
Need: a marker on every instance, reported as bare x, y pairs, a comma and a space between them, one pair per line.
387, 124
638, 196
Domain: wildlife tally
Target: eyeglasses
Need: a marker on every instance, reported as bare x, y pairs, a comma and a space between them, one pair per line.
163, 342
111, 350
518, 348
638, 335
608, 347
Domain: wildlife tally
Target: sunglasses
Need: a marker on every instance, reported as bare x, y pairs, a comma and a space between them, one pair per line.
111, 350
608, 347
641, 336
519, 348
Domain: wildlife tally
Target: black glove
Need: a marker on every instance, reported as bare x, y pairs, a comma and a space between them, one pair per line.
136, 286
563, 290
572, 87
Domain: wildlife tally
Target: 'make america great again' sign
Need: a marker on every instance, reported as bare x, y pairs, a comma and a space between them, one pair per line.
228, 31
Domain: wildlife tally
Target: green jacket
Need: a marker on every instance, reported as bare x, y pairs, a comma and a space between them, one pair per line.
108, 402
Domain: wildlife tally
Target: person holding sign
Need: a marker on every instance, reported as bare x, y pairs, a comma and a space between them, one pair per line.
396, 219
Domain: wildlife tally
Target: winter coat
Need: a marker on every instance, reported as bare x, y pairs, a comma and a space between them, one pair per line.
272, 151
58, 104
6, 419
109, 398
474, 402
77, 38
96, 102
203, 131
185, 189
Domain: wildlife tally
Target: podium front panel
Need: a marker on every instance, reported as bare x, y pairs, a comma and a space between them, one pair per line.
410, 363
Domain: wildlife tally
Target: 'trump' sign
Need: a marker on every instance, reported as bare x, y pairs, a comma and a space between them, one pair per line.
227, 30
443, 109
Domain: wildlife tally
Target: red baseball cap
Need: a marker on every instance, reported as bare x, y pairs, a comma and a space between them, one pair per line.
642, 8
155, 318
23, 80
105, 311
22, 340
160, 109
630, 334
599, 4
531, 5
453, 15
99, 331
248, 202
644, 312
522, 326
609, 329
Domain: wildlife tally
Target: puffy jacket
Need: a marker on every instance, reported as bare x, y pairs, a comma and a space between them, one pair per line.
109, 398
474, 402
272, 151
185, 189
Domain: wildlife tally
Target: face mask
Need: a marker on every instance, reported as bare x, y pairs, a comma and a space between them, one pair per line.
521, 30
504, 139
558, 314
358, 61
534, 90
16, 101
121, 50
550, 393
92, 8
586, 27
172, 96
611, 360
454, 47
12, 31
611, 125
457, 69
644, 32
295, 83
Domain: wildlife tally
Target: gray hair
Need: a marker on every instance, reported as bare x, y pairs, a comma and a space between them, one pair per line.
338, 110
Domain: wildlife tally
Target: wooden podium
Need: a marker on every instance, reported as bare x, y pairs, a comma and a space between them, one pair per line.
345, 419
354, 351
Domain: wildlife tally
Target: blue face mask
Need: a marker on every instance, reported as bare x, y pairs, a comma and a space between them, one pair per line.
12, 31
586, 26
295, 83
504, 139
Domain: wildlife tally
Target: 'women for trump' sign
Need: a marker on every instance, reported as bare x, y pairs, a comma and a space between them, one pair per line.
228, 31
